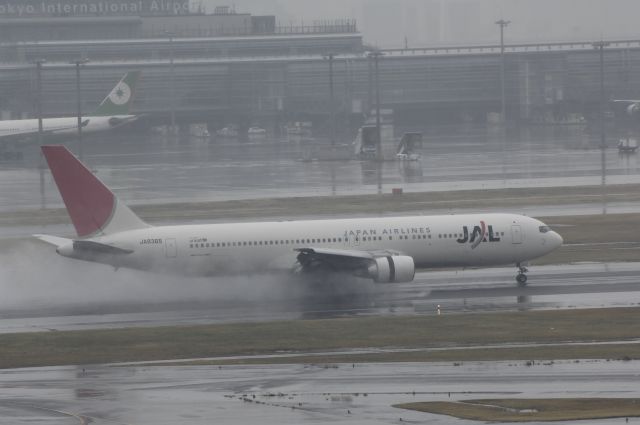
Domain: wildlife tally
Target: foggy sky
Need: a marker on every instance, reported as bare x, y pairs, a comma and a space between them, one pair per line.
387, 23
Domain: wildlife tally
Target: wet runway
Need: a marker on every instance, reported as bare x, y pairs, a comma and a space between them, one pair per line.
151, 168
54, 293
292, 394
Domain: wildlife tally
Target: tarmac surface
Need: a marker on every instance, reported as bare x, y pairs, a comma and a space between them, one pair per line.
60, 297
292, 394
154, 168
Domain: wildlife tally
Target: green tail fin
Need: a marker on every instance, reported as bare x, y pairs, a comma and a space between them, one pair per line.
119, 100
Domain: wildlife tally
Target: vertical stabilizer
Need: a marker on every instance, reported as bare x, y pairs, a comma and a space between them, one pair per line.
119, 100
93, 208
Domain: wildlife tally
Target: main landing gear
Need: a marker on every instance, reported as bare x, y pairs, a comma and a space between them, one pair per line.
521, 278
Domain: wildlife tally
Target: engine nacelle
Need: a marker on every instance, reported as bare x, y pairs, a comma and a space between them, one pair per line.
633, 109
393, 269
115, 121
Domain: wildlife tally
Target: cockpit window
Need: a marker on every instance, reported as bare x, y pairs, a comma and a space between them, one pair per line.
544, 229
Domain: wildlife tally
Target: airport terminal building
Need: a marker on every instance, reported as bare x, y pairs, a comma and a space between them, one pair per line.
228, 66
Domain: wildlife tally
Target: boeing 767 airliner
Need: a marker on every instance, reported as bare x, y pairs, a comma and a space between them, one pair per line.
385, 249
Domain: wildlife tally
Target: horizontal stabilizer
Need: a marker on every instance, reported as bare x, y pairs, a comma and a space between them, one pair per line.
98, 248
53, 240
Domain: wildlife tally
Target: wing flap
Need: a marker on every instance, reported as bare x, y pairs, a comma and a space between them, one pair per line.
312, 259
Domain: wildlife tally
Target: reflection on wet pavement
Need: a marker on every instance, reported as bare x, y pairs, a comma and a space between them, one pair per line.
293, 394
145, 168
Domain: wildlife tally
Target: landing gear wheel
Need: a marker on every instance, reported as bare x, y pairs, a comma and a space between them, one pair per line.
521, 279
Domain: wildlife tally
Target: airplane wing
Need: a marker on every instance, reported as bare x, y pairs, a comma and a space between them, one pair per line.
382, 266
333, 259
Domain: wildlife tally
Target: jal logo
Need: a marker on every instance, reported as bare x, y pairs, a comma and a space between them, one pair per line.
481, 233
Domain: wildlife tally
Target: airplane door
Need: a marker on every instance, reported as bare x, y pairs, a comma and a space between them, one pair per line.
516, 234
171, 247
353, 240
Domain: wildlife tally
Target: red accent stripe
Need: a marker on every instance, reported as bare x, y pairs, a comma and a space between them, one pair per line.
89, 202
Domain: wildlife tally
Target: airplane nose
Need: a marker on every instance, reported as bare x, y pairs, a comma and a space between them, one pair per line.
557, 239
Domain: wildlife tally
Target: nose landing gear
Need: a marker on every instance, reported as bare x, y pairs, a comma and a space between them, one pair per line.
521, 278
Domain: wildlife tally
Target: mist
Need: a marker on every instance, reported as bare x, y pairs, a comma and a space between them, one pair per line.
36, 281
394, 23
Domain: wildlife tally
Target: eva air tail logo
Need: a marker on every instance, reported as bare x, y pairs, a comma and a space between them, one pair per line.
482, 233
120, 93
119, 99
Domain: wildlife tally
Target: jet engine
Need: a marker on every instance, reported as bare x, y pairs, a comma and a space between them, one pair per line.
115, 121
633, 109
392, 269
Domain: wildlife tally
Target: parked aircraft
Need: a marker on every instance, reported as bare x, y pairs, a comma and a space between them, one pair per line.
113, 112
386, 249
629, 106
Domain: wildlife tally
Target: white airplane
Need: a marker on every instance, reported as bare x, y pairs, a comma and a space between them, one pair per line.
629, 106
113, 112
386, 249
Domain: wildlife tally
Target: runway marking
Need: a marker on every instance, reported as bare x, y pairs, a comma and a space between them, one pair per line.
82, 420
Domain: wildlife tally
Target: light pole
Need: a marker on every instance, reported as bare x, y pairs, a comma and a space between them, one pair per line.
330, 57
170, 34
376, 55
503, 24
600, 45
39, 63
78, 63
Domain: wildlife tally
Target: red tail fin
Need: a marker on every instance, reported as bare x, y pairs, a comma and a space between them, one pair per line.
93, 208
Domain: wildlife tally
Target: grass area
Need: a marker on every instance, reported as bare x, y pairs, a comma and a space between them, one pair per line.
528, 410
509, 199
532, 355
597, 238
303, 336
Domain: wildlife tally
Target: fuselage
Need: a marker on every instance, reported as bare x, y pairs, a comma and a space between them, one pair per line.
63, 126
432, 241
